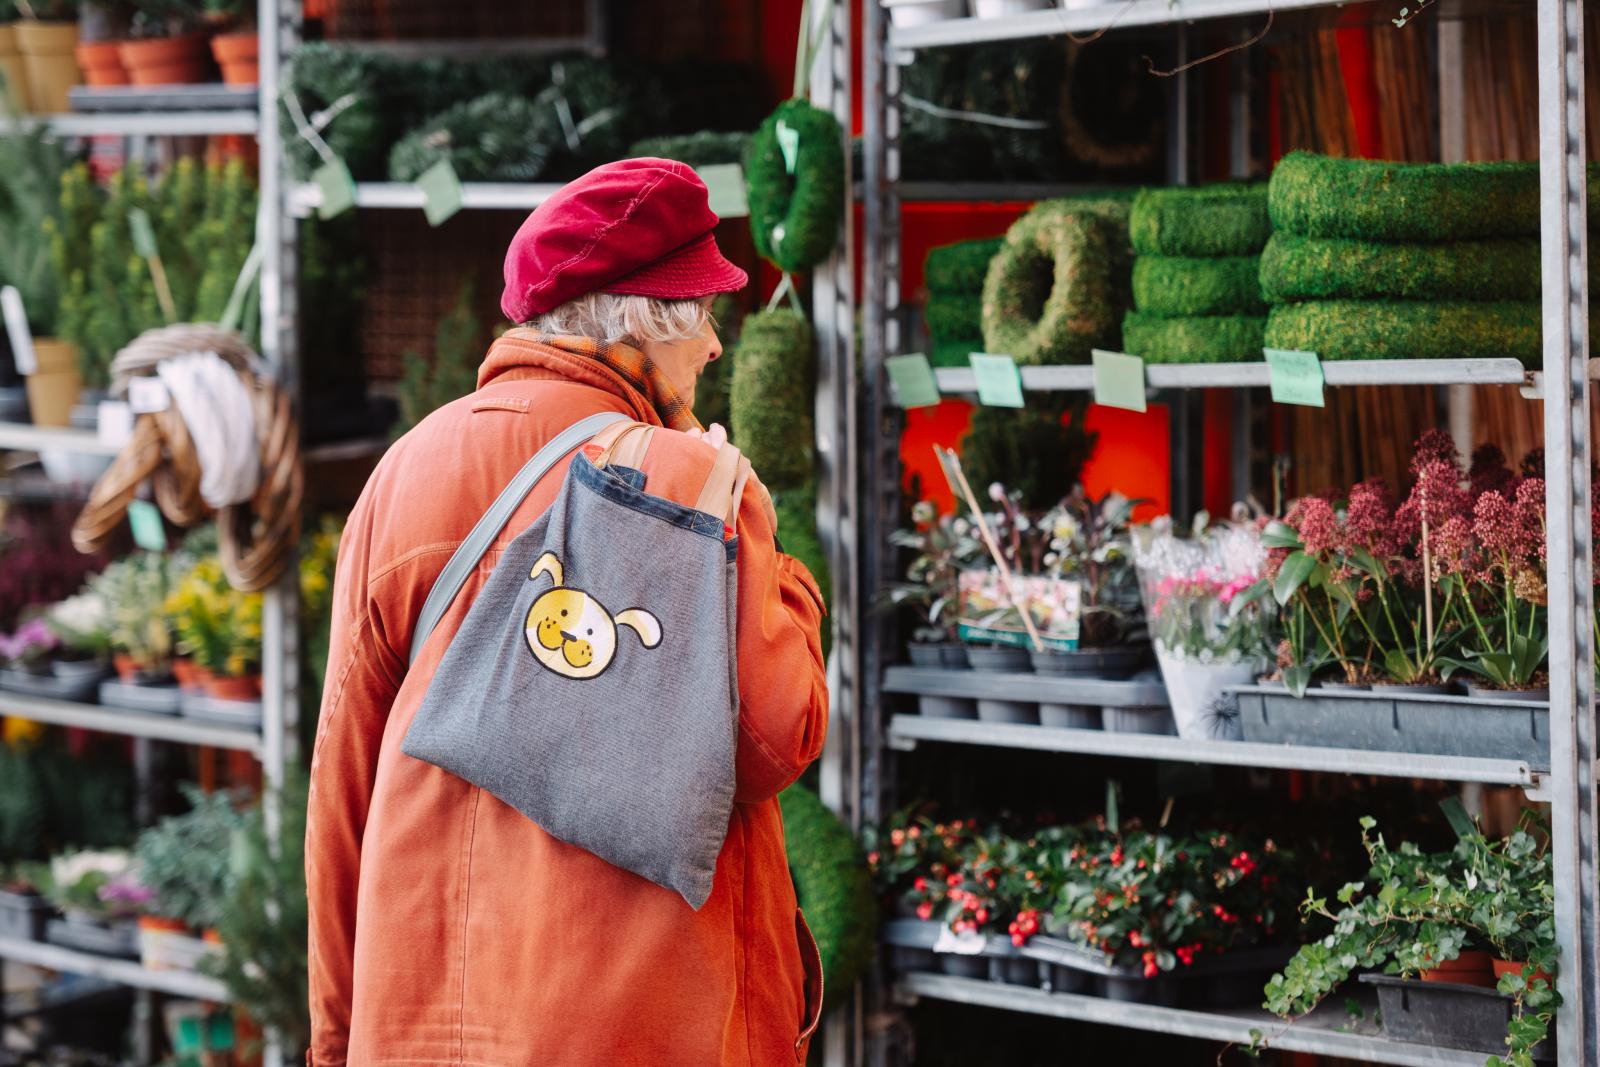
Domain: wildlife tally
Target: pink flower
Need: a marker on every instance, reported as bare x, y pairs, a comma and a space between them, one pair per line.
1317, 526
1488, 472
1369, 517
1499, 528
1452, 547
1435, 446
1530, 513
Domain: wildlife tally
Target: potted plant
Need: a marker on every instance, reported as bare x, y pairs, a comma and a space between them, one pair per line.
102, 25
82, 625
13, 79
30, 648
46, 36
165, 46
235, 43
1509, 642
220, 629
185, 862
23, 910
1089, 544
1441, 917
1203, 596
943, 544
99, 896
31, 165
135, 588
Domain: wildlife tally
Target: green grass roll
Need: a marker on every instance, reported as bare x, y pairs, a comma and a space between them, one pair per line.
1228, 219
1369, 200
1316, 268
1372, 329
955, 353
959, 267
1189, 285
1193, 339
952, 316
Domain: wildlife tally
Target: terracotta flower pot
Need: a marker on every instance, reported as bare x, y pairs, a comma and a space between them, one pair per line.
221, 688
1472, 967
165, 60
161, 924
46, 49
236, 54
12, 71
101, 63
1505, 967
54, 386
188, 673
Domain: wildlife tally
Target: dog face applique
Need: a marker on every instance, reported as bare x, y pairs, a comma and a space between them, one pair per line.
572, 634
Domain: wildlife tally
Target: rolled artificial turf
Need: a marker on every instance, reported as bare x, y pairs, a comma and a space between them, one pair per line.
959, 267
772, 397
1058, 285
1378, 329
1190, 285
1212, 220
950, 316
1194, 338
1369, 200
1316, 268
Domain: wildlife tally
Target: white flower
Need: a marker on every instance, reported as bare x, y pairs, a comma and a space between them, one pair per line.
70, 869
997, 492
1023, 524
961, 527
1206, 655
1066, 527
1051, 559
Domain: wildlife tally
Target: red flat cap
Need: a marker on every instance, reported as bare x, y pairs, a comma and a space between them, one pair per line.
640, 227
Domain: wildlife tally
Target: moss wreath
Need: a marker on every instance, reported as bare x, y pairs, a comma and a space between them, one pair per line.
772, 397
833, 887
1058, 286
795, 216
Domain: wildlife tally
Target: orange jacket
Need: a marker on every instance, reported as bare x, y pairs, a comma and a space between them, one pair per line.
446, 928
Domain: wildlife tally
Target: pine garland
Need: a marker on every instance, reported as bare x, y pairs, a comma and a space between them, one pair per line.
494, 138
1181, 285
1038, 450
1228, 219
706, 148
772, 397
1193, 339
795, 218
833, 887
1372, 329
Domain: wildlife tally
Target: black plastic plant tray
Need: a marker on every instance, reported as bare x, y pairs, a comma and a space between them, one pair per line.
114, 939
77, 690
155, 699
1381, 722
1000, 960
1443, 1013
23, 915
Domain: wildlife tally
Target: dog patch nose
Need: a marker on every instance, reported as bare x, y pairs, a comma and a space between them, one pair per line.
567, 637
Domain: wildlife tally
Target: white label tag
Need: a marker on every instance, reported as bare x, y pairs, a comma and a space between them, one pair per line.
17, 330
113, 423
967, 943
148, 395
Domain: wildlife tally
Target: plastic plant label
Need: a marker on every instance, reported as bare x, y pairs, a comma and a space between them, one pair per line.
338, 189
966, 943
148, 531
1118, 380
788, 144
441, 192
147, 394
914, 383
142, 233
725, 187
113, 423
1296, 377
999, 381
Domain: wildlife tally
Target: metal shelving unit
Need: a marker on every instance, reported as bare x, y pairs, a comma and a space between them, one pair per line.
110, 720
1569, 784
124, 972
305, 197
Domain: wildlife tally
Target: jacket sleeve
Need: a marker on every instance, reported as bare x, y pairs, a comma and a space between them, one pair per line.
363, 676
783, 689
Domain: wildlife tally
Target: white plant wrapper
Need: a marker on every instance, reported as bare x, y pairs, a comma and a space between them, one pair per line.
1201, 705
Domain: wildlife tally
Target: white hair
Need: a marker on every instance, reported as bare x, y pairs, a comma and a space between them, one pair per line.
614, 317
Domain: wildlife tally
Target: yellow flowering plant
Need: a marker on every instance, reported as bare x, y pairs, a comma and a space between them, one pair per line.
216, 624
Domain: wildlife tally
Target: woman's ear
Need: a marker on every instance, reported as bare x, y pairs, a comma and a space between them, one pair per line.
646, 625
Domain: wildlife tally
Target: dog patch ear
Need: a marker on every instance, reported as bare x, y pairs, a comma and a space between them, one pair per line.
646, 625
547, 564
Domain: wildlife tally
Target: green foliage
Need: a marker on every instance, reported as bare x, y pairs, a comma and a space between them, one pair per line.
50, 798
953, 315
264, 917
833, 886
135, 588
773, 397
1185, 285
1038, 451
795, 218
492, 138
797, 531
1312, 268
1352, 329
1058, 285
24, 812
955, 353
959, 267
1194, 339
1212, 220
426, 385
185, 860
1368, 200
706, 148
31, 164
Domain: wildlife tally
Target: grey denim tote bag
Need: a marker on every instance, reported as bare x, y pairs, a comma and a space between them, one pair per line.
592, 685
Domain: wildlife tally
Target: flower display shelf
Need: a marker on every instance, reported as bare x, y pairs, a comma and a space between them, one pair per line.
1505, 371
77, 689
1446, 1014
243, 713
120, 939
155, 699
125, 972
160, 727
213, 96
1446, 725
1030, 687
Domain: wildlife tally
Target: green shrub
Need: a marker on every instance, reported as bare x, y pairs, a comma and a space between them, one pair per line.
794, 218
953, 315
1228, 219
1058, 285
706, 148
959, 267
185, 860
1036, 450
1318, 268
773, 397
1368, 200
1354, 329
1193, 339
834, 889
1187, 285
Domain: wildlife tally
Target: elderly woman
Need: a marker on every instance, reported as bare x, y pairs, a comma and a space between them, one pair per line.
447, 928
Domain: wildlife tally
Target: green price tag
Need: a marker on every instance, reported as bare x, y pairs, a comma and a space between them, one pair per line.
999, 381
148, 531
441, 192
1296, 377
725, 186
914, 383
143, 234
338, 189
1118, 380
788, 144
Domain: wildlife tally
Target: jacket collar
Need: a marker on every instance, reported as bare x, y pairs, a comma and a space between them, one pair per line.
516, 356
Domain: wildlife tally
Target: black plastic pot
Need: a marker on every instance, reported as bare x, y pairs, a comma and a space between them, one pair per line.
23, 915
1070, 716
1162, 991
1007, 658
1090, 662
1012, 711
947, 707
1480, 692
1016, 970
926, 655
1139, 721
1445, 1014
963, 966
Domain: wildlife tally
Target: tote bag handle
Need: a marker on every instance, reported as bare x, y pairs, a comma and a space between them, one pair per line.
465, 559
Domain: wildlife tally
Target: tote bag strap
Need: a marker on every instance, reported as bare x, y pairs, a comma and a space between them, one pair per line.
466, 557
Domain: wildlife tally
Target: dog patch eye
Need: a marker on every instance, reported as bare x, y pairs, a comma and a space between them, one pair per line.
589, 632
563, 613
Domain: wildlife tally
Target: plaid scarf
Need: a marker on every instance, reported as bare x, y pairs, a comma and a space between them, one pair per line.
637, 370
